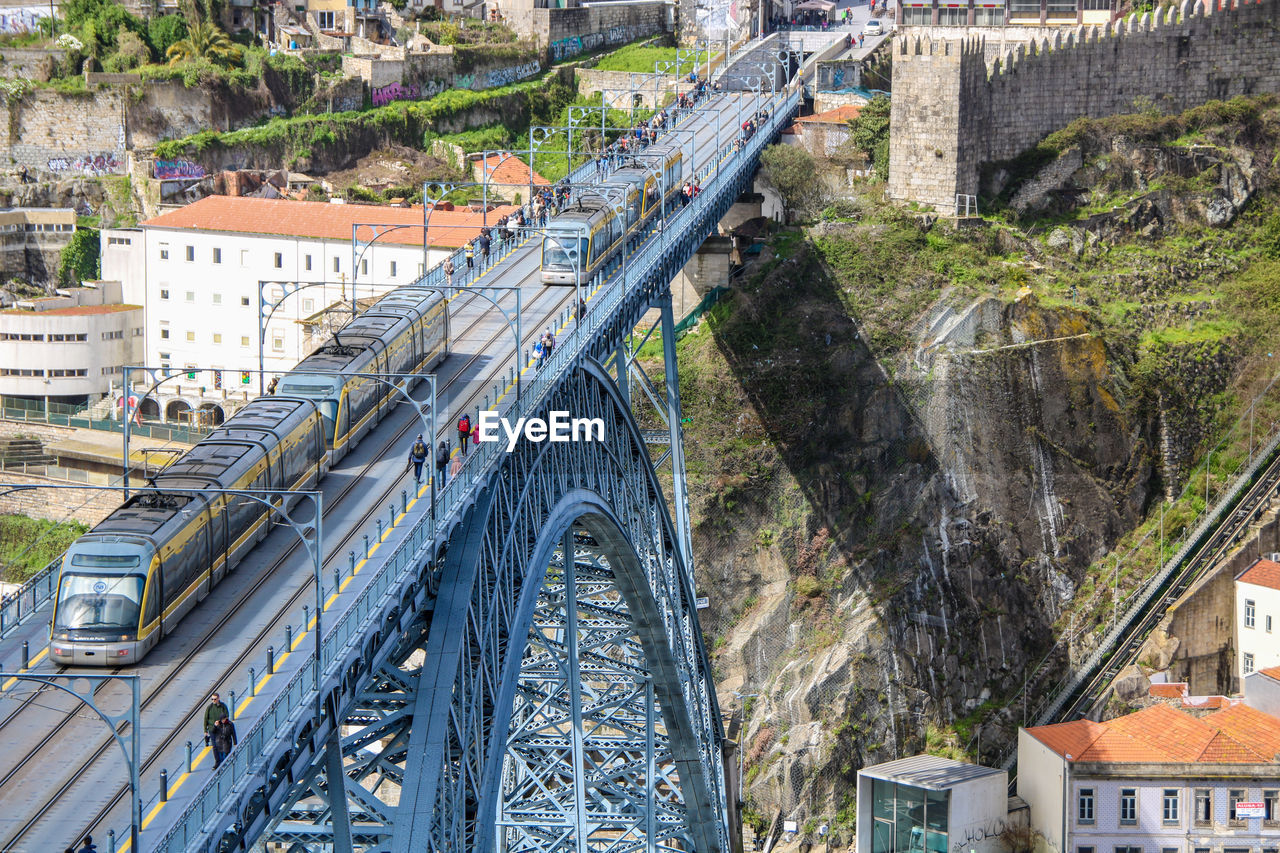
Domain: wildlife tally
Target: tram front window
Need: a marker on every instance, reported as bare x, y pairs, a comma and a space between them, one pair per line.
99, 602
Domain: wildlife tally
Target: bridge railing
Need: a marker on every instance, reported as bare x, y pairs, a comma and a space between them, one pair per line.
296, 700
18, 606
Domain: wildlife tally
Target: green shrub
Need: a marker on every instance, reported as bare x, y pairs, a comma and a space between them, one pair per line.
80, 260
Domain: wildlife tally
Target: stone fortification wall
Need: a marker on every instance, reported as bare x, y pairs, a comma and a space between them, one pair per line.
951, 114
34, 63
419, 76
80, 134
566, 33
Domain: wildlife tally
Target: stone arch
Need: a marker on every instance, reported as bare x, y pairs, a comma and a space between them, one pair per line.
174, 408
150, 409
216, 411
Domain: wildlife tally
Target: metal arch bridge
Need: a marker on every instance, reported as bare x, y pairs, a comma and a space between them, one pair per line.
517, 664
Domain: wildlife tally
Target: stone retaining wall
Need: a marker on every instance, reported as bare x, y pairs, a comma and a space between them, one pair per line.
951, 115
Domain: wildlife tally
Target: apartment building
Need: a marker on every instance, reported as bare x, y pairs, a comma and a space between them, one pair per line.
200, 272
70, 347
1156, 781
1256, 614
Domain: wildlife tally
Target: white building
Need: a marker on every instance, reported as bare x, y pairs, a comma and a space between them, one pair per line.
1257, 611
1156, 781
197, 272
928, 804
69, 347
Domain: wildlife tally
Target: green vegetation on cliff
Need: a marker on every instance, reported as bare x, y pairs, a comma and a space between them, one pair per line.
27, 545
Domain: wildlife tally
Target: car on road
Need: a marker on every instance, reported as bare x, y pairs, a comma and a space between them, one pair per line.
873, 28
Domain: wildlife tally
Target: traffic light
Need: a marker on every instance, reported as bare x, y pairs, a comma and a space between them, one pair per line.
244, 377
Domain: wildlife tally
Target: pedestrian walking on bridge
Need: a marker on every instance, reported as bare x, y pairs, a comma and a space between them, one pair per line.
224, 740
418, 457
214, 711
442, 462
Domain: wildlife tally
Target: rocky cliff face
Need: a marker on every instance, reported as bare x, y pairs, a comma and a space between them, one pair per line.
909, 452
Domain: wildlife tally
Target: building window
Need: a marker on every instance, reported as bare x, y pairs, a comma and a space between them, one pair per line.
279, 260
1128, 850
217, 255
217, 338
1250, 613
1204, 807
1268, 618
336, 264
164, 334
244, 257
308, 305
1168, 850
364, 266
1128, 807
113, 336
164, 294
217, 299
277, 342
1084, 850
164, 254
421, 269
1247, 666
307, 261
244, 301
324, 20
191, 296
191, 336
1084, 812
393, 269
1271, 802
1235, 795
1169, 812
191, 253
244, 340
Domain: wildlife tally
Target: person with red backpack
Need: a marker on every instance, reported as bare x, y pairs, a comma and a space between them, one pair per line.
464, 432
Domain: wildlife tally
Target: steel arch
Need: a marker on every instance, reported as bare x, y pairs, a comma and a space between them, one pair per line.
478, 634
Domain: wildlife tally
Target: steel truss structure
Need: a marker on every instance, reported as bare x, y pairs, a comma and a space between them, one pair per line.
534, 678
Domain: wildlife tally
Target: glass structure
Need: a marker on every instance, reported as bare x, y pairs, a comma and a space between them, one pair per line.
907, 819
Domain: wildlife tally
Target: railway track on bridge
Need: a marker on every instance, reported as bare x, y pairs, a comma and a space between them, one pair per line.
1213, 545
30, 703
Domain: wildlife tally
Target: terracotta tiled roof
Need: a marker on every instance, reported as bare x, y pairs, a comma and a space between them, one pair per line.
1262, 573
320, 220
505, 169
1162, 735
1170, 690
1272, 672
839, 115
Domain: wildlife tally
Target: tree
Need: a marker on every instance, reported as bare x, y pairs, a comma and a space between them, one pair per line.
81, 259
164, 31
794, 174
131, 51
205, 41
869, 133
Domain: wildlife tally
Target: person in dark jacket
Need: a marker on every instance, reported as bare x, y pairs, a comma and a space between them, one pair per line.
88, 846
224, 738
214, 711
442, 462
417, 458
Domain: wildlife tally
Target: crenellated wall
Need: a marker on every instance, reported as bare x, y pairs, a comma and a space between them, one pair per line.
952, 112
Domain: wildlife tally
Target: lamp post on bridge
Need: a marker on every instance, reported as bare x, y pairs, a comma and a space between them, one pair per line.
131, 752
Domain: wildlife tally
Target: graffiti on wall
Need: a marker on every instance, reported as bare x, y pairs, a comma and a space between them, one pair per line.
22, 19
574, 45
484, 80
170, 169
975, 835
88, 164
